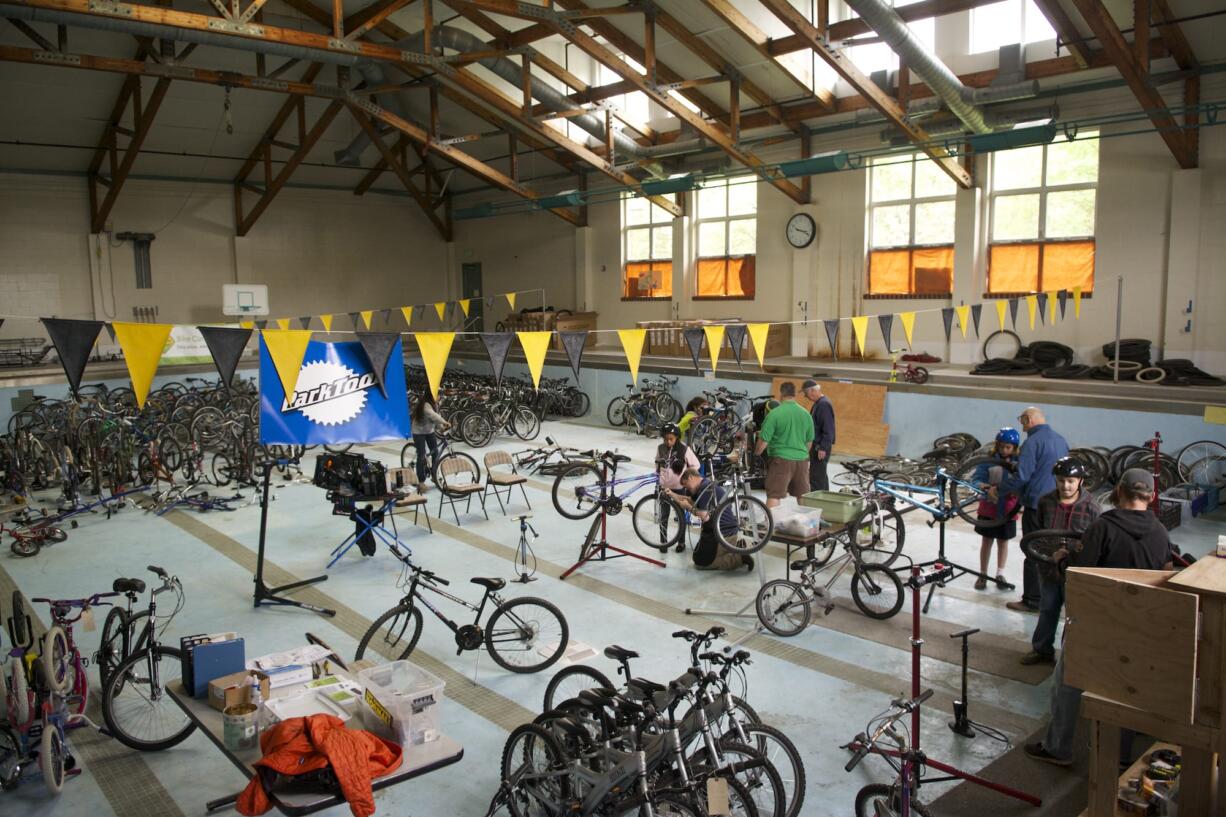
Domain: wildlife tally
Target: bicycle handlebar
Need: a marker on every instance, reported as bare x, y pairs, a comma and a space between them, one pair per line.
860, 753
430, 576
161, 573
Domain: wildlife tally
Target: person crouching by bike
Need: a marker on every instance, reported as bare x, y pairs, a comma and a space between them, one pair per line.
427, 425
1005, 452
701, 497
673, 457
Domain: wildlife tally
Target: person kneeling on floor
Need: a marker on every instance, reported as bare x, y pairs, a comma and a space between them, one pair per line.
701, 497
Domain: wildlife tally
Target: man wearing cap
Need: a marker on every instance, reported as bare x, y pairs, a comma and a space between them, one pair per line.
786, 436
1127, 536
822, 412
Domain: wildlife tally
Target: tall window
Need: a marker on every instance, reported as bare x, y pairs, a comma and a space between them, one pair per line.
647, 248
1042, 228
910, 227
1008, 22
727, 239
633, 104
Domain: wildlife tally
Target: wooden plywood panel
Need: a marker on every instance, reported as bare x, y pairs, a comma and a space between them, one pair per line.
1131, 641
1205, 576
859, 409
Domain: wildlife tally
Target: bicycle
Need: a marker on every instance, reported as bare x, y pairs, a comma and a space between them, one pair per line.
135, 705
910, 373
408, 458
516, 634
30, 535
900, 798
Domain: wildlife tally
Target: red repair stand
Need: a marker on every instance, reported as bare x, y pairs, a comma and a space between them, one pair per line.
594, 549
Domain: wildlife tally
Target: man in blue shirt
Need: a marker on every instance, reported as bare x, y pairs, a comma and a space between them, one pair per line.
1032, 480
703, 496
822, 412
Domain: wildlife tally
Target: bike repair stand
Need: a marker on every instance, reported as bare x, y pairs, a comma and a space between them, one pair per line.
962, 723
749, 609
370, 524
523, 550
272, 595
598, 550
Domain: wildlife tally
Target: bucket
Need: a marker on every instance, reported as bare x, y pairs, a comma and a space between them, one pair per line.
241, 729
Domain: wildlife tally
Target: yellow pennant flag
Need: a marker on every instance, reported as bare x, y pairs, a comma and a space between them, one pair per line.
1052, 297
859, 327
632, 345
1076, 302
326, 320
283, 324
535, 344
964, 317
287, 347
908, 325
407, 311
1032, 306
464, 306
247, 324
440, 308
1002, 307
142, 344
435, 348
366, 314
511, 299
715, 340
758, 333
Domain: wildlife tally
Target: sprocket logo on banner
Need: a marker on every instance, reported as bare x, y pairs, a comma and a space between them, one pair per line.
329, 393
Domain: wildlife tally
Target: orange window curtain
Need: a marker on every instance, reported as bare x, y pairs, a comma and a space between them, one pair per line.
1013, 268
648, 279
932, 270
1068, 264
889, 272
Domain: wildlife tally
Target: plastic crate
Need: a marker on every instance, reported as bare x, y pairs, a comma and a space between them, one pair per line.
401, 702
837, 508
1170, 513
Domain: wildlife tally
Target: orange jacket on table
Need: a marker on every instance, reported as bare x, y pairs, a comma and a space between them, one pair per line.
301, 745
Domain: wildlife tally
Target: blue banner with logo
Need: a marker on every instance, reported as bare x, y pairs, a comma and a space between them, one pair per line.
336, 400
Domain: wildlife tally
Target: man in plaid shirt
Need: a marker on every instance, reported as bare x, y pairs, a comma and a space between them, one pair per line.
1066, 508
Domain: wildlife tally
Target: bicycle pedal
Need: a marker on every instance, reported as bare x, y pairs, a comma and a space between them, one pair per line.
828, 609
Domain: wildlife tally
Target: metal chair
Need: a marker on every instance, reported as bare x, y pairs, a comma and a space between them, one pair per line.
503, 480
452, 485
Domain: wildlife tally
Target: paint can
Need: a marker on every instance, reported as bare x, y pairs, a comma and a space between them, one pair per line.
240, 727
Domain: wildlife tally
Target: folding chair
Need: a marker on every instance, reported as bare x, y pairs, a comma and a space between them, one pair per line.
459, 478
499, 480
405, 480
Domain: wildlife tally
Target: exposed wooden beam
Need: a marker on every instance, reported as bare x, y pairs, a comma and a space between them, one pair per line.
846, 29
380, 166
1140, 33
1173, 36
428, 206
357, 24
33, 36
885, 104
1120, 52
142, 121
291, 105
1066, 30
509, 39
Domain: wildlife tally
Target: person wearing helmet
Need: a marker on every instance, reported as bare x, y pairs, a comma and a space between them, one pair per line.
673, 457
1069, 507
995, 508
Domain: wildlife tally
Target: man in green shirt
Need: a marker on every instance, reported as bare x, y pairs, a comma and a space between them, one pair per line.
786, 436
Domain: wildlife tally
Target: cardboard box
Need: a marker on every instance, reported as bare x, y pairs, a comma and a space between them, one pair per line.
233, 689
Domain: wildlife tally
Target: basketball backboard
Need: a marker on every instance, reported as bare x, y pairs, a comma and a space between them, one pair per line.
243, 300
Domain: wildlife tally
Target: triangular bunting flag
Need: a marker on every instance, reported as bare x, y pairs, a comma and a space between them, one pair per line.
1041, 304
886, 324
758, 333
1002, 307
947, 316
304, 322
283, 323
287, 347
511, 299
407, 311
247, 324
354, 317
419, 311
736, 340
142, 344
366, 314
1076, 302
450, 308
964, 313
715, 341
489, 301
832, 336
1032, 305
386, 316
536, 346
908, 325
464, 305
859, 330
1013, 305
110, 330
1050, 298
261, 325
435, 348
632, 345
574, 342
497, 344
378, 347
73, 341
226, 345
441, 309
1062, 297
326, 320
976, 315
693, 338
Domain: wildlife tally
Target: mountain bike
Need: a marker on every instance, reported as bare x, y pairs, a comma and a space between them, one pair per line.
901, 797
524, 634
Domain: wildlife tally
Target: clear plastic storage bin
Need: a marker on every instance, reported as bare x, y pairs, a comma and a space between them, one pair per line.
401, 702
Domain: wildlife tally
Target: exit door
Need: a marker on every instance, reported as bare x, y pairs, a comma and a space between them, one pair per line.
470, 286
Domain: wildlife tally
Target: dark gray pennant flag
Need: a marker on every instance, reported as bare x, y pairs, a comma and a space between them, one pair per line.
354, 317
110, 331
1042, 299
947, 315
73, 341
886, 322
1062, 298
832, 336
386, 315
305, 321
976, 314
735, 332
693, 337
1013, 311
489, 301
497, 344
261, 324
418, 311
574, 343
226, 345
378, 348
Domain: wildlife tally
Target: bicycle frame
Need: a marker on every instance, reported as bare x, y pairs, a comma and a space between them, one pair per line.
942, 509
637, 483
415, 587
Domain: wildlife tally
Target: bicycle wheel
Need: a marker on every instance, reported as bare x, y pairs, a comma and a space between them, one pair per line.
19, 689
666, 407
1203, 462
568, 682
526, 635
754, 524
759, 777
670, 806
398, 630
1043, 545
525, 424
51, 758
879, 533
877, 591
876, 799
477, 430
704, 437
783, 607
138, 711
27, 541
111, 650
658, 521
408, 455
616, 412
56, 661
965, 496
533, 766
576, 491
779, 750
222, 469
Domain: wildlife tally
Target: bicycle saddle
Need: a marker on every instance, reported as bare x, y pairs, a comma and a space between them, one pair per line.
644, 687
492, 584
128, 586
619, 653
612, 457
